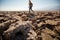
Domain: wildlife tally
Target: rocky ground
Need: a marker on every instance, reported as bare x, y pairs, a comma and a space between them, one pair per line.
30, 26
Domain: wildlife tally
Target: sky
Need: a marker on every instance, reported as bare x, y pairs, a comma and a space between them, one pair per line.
18, 5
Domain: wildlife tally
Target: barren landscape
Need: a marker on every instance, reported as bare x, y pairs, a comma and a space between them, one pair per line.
21, 25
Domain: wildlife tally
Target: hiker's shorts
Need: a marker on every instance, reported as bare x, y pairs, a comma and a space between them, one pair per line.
30, 7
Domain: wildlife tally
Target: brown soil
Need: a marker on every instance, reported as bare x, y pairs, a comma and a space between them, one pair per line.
16, 25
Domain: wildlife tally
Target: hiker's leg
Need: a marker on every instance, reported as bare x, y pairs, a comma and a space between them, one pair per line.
29, 9
32, 10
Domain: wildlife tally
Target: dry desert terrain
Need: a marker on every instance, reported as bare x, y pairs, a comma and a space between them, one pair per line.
21, 25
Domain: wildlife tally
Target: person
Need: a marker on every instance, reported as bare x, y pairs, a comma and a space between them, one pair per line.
30, 6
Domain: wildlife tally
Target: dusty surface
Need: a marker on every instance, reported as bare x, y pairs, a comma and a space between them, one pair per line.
30, 26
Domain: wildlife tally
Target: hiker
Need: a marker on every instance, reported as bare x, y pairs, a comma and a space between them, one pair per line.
30, 6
